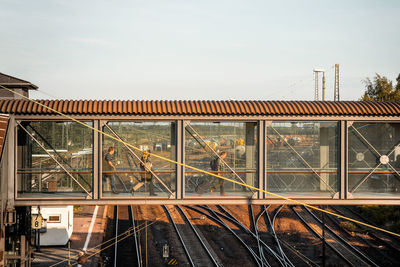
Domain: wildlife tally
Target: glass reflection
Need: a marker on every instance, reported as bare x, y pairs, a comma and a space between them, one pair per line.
69, 173
302, 158
228, 149
374, 158
127, 172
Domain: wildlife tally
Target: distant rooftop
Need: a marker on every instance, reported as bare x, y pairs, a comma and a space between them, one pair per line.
13, 82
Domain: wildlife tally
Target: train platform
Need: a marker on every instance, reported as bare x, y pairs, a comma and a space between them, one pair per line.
80, 239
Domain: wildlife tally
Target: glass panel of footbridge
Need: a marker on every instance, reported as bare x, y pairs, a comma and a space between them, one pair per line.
302, 158
374, 159
54, 159
135, 160
227, 149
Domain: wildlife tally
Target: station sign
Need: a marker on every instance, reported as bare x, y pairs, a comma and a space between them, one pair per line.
37, 221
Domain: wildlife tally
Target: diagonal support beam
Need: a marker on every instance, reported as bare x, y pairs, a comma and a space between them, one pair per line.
55, 160
214, 152
305, 162
365, 178
138, 158
379, 154
366, 141
55, 152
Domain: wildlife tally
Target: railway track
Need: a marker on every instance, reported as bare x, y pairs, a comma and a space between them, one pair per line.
351, 248
279, 257
386, 239
210, 214
380, 246
298, 256
348, 253
263, 250
125, 245
197, 252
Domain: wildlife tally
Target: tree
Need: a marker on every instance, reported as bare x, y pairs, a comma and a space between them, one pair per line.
381, 89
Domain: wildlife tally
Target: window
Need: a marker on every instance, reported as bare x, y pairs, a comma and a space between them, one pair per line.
302, 158
131, 178
54, 158
229, 149
374, 158
54, 219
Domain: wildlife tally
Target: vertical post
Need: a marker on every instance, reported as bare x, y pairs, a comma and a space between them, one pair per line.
180, 157
323, 239
342, 159
100, 160
2, 241
324, 156
38, 234
249, 150
69, 253
261, 157
23, 249
265, 161
12, 142
96, 162
336, 96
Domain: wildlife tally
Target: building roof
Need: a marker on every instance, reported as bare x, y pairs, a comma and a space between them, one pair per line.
13, 82
200, 107
3, 131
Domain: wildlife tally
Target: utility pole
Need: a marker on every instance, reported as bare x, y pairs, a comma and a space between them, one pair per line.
336, 93
316, 71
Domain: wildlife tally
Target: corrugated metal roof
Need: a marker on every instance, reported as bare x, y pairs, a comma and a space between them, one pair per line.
203, 107
3, 130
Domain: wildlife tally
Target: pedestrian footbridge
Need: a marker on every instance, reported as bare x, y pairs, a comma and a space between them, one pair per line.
57, 152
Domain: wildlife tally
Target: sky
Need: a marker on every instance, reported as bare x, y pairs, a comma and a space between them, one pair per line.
204, 49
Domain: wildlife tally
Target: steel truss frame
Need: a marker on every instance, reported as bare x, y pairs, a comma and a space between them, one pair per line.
343, 197
378, 165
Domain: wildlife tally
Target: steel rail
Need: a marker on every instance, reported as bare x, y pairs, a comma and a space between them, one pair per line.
59, 164
253, 222
272, 226
116, 235
215, 152
132, 216
372, 233
179, 235
235, 221
288, 246
217, 220
305, 162
345, 242
215, 215
315, 233
258, 241
183, 214
336, 222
